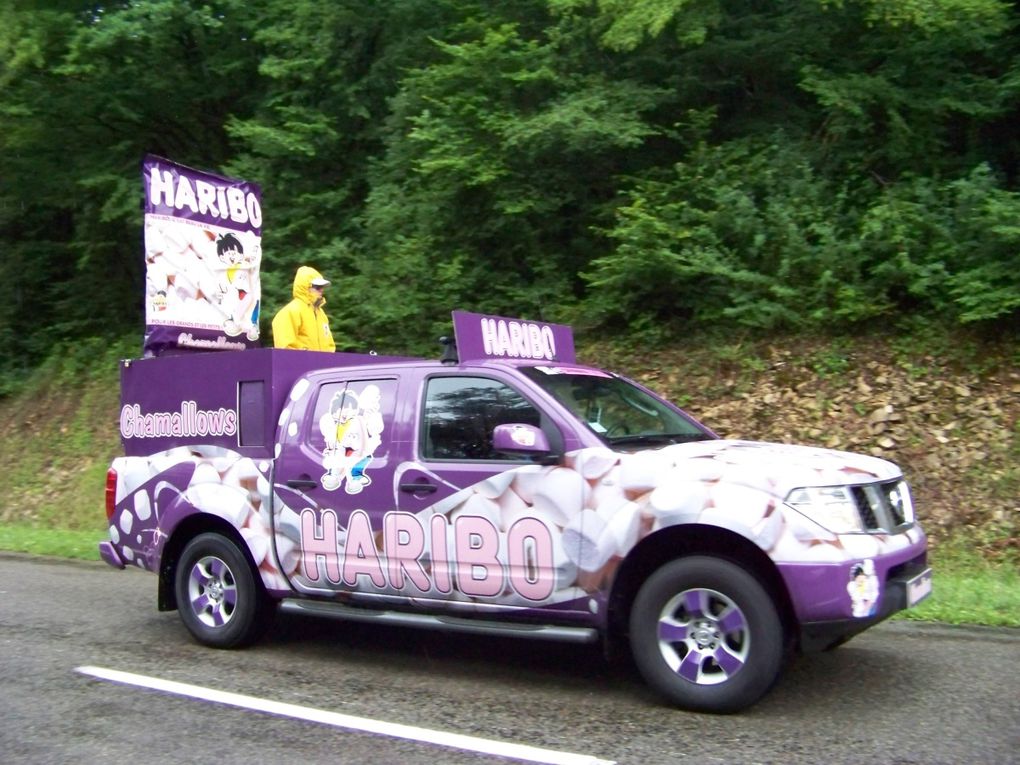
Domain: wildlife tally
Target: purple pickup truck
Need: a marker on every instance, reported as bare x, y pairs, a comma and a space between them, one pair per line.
504, 489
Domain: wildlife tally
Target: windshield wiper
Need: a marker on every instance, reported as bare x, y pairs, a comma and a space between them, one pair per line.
657, 438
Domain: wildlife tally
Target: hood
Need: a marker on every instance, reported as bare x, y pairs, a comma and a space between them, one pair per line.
303, 281
776, 469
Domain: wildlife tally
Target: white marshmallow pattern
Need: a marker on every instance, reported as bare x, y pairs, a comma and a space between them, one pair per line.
597, 506
223, 483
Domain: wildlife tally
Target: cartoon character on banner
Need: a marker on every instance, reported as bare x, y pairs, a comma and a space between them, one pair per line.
236, 293
353, 430
863, 589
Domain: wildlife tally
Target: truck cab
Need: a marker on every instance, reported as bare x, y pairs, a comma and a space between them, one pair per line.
505, 489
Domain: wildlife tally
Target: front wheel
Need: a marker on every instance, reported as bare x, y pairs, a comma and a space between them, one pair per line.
706, 635
218, 596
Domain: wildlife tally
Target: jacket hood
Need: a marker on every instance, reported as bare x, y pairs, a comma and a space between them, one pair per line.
303, 282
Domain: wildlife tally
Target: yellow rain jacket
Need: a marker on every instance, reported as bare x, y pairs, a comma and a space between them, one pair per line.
301, 324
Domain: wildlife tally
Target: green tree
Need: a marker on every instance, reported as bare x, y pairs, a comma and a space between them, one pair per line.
87, 93
328, 71
652, 161
744, 233
500, 158
951, 248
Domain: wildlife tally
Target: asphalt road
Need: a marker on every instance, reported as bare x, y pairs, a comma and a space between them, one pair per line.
900, 694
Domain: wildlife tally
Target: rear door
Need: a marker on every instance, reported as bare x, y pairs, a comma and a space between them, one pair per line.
334, 481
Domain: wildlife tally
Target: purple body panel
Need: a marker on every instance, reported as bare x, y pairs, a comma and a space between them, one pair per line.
196, 398
109, 555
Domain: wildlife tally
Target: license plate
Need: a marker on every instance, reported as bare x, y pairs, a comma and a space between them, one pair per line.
919, 588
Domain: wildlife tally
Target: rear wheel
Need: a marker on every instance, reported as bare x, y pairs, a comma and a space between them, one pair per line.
219, 597
706, 635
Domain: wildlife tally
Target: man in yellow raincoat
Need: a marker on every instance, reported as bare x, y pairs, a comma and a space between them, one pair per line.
302, 323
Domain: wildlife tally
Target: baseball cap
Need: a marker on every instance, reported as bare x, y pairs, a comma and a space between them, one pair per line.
320, 282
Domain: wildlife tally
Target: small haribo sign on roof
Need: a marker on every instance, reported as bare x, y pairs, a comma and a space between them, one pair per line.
496, 337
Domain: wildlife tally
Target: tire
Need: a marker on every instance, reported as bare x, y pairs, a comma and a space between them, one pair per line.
219, 597
706, 635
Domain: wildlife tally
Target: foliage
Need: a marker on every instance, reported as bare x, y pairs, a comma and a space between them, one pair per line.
751, 234
653, 164
499, 163
953, 247
737, 234
327, 72
87, 91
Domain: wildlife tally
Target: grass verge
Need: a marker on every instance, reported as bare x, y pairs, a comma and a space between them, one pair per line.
969, 588
62, 543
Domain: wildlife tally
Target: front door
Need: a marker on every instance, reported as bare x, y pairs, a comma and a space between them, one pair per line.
495, 523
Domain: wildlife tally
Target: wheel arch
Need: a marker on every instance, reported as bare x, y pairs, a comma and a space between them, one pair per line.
189, 528
693, 539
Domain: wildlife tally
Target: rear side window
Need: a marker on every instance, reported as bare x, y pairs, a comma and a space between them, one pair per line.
461, 413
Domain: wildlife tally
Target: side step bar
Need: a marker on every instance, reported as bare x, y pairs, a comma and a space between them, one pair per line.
446, 623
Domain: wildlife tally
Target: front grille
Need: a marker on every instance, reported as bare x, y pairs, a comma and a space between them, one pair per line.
864, 496
884, 506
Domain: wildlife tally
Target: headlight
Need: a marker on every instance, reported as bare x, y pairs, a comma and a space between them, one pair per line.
832, 507
900, 503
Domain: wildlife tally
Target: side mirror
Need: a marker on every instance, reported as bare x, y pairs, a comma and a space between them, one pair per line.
520, 440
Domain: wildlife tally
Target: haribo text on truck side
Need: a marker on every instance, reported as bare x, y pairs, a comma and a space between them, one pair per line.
505, 489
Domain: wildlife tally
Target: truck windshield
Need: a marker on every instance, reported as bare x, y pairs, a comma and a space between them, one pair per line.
617, 411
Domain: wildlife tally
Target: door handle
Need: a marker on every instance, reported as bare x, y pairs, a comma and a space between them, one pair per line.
302, 483
418, 486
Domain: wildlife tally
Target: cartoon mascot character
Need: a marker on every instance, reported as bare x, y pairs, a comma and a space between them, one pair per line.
237, 294
352, 428
863, 589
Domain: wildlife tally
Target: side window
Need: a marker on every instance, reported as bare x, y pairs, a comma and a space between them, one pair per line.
461, 413
358, 410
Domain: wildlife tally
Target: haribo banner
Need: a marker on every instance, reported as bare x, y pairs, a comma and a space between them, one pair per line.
203, 248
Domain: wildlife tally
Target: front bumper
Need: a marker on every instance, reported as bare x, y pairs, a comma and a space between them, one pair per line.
823, 635
837, 599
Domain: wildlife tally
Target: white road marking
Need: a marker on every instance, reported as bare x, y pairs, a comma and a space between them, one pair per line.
365, 724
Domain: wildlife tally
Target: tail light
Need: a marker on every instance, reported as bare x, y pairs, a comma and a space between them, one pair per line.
111, 492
